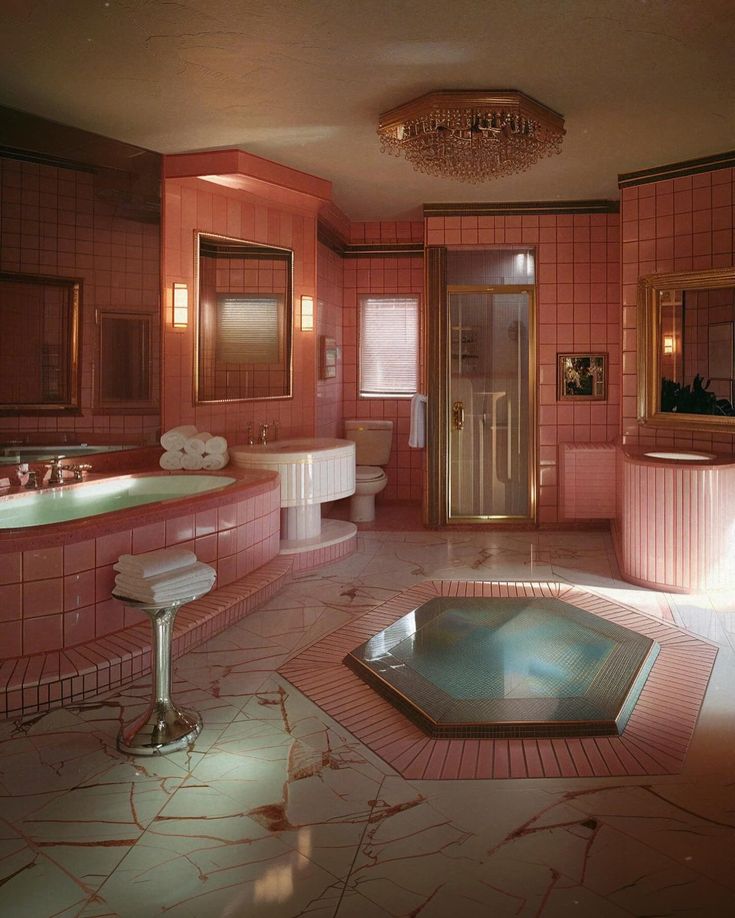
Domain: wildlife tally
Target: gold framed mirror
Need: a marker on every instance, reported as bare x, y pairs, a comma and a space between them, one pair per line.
686, 350
244, 316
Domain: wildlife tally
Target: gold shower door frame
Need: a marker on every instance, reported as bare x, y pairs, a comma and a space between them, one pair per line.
438, 510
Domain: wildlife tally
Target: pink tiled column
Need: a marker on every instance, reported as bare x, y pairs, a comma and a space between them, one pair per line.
677, 526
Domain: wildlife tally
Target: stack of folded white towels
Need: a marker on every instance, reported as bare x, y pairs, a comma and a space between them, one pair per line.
166, 576
187, 448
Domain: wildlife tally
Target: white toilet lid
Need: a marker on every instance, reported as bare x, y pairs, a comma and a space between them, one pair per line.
368, 472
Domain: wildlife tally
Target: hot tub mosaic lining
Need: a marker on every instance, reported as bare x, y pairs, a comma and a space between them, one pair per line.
654, 740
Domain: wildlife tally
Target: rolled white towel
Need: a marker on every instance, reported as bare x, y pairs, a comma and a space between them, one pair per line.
191, 463
177, 436
154, 563
216, 446
214, 462
171, 460
195, 446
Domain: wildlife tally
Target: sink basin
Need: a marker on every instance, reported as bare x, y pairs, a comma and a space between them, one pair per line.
674, 455
313, 469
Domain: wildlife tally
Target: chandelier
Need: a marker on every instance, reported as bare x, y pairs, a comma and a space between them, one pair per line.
469, 135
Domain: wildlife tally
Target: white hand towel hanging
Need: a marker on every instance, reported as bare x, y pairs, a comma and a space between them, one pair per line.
417, 435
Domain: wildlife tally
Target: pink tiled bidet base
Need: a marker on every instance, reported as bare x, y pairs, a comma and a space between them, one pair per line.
654, 741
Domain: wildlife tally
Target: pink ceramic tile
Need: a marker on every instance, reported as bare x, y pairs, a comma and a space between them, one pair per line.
227, 516
79, 556
149, 538
79, 590
205, 522
43, 564
110, 547
11, 604
226, 543
43, 633
180, 529
79, 626
42, 597
10, 567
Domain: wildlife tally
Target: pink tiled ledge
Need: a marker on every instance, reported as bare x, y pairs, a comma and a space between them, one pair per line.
45, 680
654, 741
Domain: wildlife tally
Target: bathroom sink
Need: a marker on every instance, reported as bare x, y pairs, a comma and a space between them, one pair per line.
312, 469
676, 455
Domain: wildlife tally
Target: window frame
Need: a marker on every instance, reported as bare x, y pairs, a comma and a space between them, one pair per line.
416, 298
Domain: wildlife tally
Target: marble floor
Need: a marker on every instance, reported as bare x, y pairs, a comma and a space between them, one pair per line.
278, 811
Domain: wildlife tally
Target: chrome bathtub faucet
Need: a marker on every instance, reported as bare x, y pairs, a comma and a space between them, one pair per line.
57, 471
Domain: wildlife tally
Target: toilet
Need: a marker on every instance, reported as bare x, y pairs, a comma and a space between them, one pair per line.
373, 440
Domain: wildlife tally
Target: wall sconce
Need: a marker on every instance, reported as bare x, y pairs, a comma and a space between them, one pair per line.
181, 306
668, 345
307, 313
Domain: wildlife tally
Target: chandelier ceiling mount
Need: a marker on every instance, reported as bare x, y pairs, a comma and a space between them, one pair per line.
471, 135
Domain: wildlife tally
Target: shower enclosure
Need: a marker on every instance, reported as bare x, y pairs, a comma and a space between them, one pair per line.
481, 346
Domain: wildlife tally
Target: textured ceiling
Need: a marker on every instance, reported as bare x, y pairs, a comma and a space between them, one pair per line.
640, 82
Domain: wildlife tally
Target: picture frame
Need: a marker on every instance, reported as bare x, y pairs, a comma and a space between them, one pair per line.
581, 377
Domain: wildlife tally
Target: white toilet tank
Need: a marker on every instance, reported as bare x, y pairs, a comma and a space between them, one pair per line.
373, 440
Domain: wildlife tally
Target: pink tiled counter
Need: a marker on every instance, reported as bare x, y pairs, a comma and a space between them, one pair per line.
676, 525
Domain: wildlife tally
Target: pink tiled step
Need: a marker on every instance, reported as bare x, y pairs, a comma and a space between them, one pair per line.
45, 680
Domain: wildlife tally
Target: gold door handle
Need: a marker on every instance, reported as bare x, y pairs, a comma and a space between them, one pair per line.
458, 415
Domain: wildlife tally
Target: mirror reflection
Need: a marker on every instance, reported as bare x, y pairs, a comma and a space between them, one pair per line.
39, 345
697, 357
244, 320
686, 341
128, 361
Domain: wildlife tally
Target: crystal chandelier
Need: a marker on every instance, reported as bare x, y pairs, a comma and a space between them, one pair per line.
469, 135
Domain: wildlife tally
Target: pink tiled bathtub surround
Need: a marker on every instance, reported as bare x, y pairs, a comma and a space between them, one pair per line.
654, 741
40, 681
56, 580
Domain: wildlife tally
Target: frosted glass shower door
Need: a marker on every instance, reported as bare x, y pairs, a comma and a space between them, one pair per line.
489, 406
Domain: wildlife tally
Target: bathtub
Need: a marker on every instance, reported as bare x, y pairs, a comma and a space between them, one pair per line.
56, 574
92, 498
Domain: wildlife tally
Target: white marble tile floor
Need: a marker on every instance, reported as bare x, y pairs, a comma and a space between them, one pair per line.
278, 812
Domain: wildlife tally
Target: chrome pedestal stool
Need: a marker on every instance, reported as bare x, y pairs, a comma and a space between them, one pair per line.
163, 727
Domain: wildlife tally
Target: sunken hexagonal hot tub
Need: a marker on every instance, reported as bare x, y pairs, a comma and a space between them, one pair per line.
507, 667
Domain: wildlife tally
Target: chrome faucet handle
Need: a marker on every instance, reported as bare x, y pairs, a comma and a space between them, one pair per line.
32, 483
79, 470
251, 441
264, 434
57, 470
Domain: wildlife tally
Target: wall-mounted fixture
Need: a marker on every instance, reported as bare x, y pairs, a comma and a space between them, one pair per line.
180, 306
668, 345
307, 313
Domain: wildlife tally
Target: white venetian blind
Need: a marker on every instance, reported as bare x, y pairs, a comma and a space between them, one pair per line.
389, 341
247, 328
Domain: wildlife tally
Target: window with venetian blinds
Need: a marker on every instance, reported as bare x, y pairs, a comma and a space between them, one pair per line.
248, 328
389, 342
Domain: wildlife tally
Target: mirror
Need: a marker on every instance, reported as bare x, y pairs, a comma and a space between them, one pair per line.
128, 364
686, 330
39, 345
244, 319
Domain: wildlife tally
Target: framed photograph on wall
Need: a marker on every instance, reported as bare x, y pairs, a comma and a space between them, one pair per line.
581, 376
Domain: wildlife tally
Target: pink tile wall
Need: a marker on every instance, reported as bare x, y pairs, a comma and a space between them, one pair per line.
382, 275
387, 232
578, 310
330, 282
192, 204
54, 222
682, 224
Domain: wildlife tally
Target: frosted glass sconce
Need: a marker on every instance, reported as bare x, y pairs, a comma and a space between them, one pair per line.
181, 306
307, 313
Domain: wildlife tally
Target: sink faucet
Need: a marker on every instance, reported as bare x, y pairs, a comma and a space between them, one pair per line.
57, 471
264, 434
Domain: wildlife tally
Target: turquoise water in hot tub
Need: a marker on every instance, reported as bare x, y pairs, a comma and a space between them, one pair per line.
91, 498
